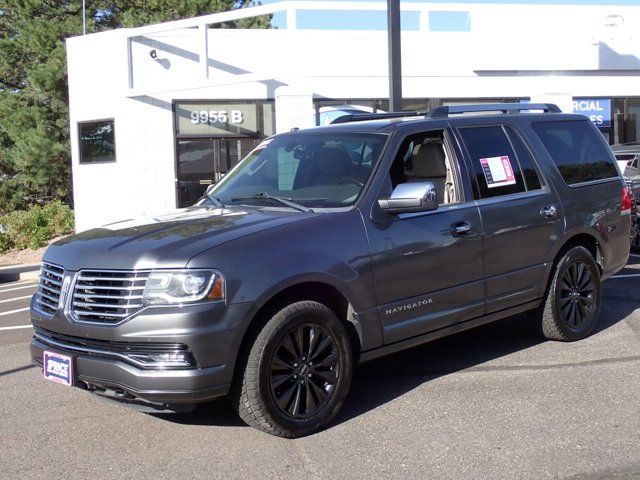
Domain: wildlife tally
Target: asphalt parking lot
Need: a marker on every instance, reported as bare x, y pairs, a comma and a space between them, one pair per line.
495, 402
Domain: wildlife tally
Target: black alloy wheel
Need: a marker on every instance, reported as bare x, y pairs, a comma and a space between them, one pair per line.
305, 370
571, 305
296, 374
576, 295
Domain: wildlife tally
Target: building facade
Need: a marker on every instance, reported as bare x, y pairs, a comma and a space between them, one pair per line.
158, 113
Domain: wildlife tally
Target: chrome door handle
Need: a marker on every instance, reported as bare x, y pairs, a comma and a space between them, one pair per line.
460, 229
550, 211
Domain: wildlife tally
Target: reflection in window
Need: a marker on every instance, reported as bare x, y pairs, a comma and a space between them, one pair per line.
97, 141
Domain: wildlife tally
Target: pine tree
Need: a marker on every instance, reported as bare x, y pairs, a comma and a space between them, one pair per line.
35, 161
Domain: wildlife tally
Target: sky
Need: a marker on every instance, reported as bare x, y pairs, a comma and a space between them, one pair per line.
377, 20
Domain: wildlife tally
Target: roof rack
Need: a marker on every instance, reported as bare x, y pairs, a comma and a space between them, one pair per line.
444, 112
362, 117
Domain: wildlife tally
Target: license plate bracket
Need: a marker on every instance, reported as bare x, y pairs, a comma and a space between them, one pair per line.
58, 368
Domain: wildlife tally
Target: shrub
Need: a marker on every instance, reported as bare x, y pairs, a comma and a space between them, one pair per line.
5, 242
59, 217
33, 228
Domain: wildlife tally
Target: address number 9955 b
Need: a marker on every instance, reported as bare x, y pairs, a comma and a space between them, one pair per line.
217, 116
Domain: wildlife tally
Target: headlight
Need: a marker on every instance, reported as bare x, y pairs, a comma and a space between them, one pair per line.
182, 286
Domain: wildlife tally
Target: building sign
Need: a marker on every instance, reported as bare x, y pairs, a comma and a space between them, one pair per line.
217, 119
597, 109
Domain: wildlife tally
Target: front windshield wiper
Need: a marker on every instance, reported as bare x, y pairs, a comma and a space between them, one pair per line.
284, 201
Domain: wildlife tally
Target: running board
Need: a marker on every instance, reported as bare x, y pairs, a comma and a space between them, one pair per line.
446, 331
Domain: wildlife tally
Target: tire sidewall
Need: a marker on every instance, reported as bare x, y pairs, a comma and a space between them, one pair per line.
284, 321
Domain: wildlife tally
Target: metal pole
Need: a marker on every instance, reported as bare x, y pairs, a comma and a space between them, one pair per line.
395, 55
84, 18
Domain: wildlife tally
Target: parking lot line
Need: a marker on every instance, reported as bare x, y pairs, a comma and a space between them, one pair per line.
14, 311
13, 284
18, 327
626, 276
16, 298
634, 255
18, 288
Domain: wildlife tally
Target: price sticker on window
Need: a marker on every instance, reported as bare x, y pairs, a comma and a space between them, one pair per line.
498, 171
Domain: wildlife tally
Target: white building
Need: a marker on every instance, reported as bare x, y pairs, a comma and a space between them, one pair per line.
160, 112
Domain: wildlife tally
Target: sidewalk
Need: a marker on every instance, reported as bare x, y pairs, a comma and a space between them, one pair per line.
14, 273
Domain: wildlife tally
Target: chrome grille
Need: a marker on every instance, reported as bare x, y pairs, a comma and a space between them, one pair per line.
48, 293
101, 296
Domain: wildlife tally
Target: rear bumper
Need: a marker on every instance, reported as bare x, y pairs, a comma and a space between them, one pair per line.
211, 332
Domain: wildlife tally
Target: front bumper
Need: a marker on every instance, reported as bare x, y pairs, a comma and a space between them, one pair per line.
211, 332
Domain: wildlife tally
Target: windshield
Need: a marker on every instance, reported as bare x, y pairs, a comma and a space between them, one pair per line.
316, 170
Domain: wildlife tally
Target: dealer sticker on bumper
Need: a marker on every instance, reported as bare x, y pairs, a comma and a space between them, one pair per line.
58, 368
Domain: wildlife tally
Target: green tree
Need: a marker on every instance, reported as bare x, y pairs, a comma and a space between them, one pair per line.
35, 161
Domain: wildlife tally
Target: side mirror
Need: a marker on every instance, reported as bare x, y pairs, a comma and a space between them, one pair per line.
411, 197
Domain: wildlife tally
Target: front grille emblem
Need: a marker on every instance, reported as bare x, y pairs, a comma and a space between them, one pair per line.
64, 291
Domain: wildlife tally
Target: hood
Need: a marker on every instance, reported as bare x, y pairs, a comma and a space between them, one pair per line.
164, 241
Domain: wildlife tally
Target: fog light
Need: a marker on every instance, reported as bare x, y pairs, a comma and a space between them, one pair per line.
170, 357
163, 359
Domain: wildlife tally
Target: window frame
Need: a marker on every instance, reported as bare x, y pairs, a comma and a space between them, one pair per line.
448, 140
530, 151
81, 160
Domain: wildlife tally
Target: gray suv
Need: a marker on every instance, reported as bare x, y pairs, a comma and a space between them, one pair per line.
332, 246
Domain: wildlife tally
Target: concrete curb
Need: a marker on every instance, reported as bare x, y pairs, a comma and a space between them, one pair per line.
16, 273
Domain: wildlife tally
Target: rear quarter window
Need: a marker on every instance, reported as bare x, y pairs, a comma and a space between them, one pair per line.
578, 150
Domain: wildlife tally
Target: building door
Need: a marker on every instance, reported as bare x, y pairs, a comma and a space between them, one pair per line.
203, 162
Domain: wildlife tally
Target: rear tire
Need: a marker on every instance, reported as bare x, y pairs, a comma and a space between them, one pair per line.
571, 306
297, 373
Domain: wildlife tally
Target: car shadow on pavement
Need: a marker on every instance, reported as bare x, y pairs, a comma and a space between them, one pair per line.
217, 413
383, 380
16, 370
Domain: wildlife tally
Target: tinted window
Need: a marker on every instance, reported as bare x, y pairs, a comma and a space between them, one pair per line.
531, 177
577, 149
97, 142
494, 162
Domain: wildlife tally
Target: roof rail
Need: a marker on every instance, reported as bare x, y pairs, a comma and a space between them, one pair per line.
361, 117
444, 112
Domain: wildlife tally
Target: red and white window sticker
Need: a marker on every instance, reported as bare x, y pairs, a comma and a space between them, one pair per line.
498, 171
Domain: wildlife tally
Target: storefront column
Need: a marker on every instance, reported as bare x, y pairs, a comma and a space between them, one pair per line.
294, 109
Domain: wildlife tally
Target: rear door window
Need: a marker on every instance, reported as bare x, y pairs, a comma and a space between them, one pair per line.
578, 150
494, 161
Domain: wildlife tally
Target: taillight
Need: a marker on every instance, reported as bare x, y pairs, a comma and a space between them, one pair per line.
626, 201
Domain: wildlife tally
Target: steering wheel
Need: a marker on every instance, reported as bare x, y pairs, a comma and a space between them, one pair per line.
353, 181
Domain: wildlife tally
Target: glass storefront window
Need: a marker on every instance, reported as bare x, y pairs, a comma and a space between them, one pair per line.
97, 141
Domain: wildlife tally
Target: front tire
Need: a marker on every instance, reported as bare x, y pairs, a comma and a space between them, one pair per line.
572, 305
297, 373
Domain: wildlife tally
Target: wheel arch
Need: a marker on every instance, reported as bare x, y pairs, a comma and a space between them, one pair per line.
579, 239
319, 290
